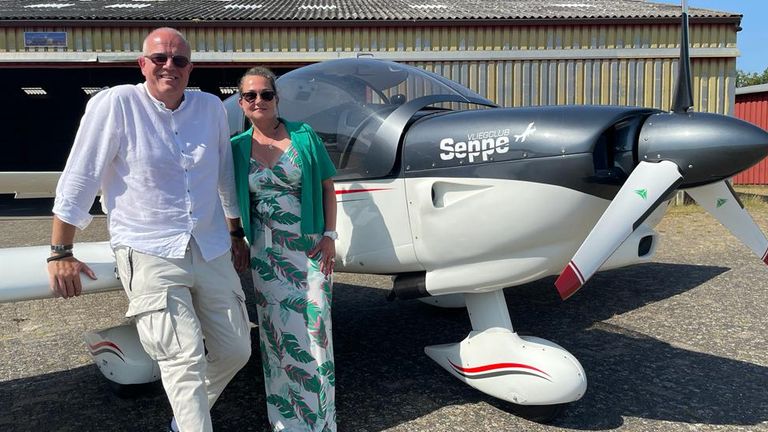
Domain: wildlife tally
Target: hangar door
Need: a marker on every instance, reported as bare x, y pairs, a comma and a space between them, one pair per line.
43, 106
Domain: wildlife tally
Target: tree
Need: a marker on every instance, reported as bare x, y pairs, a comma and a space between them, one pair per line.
744, 79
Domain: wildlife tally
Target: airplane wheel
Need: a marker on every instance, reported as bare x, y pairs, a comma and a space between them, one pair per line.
543, 414
131, 391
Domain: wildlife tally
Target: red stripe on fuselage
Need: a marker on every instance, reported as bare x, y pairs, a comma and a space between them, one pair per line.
349, 191
497, 366
96, 346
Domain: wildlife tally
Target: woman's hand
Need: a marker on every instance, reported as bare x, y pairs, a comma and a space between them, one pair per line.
326, 249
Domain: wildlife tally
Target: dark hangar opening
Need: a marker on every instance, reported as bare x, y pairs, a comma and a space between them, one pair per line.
43, 106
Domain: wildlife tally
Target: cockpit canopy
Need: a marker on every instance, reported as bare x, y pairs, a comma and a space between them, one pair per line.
346, 102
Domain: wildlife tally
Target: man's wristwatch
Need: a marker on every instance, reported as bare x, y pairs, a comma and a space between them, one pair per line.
60, 248
238, 233
333, 235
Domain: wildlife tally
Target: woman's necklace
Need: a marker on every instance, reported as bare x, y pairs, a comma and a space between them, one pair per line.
272, 140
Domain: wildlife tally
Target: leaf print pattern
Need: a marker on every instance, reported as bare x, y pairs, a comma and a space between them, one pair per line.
292, 241
286, 269
273, 338
263, 268
327, 370
300, 376
293, 301
318, 333
265, 359
285, 407
292, 347
303, 409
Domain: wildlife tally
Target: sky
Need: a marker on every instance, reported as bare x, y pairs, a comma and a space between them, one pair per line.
752, 38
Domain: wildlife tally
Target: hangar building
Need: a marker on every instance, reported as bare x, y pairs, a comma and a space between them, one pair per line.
54, 53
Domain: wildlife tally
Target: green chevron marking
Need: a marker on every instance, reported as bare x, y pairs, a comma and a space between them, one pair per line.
721, 202
642, 193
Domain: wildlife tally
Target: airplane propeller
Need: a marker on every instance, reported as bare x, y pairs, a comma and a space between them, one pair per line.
721, 201
680, 149
647, 187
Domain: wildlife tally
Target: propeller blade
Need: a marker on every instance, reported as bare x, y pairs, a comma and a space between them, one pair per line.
648, 185
683, 98
721, 201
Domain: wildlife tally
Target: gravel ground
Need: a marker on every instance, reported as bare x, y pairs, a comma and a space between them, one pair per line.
674, 345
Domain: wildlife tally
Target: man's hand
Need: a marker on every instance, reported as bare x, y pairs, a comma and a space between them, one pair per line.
241, 255
64, 276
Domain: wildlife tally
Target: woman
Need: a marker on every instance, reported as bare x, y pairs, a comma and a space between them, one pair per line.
288, 204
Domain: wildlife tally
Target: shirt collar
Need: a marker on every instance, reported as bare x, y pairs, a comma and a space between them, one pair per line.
161, 105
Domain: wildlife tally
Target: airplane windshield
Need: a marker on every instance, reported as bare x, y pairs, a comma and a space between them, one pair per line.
346, 101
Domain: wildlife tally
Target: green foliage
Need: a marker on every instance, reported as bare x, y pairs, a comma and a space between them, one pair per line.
744, 79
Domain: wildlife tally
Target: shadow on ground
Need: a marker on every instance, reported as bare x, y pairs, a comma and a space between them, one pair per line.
384, 379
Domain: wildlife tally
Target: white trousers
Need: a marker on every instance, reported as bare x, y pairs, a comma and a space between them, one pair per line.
176, 303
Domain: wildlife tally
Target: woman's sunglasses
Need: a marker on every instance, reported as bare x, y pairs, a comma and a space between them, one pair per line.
162, 59
266, 95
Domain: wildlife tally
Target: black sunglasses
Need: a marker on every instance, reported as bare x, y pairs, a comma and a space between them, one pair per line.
266, 95
162, 59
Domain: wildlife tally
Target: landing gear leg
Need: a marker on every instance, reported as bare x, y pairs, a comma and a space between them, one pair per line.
535, 374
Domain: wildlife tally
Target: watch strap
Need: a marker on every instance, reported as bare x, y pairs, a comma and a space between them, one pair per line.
59, 248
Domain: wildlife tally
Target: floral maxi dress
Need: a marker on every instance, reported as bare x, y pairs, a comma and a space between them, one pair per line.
294, 303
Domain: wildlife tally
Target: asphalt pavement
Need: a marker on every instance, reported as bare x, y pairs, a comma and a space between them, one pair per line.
678, 344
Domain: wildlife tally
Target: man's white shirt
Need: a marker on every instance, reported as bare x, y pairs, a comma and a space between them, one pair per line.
165, 175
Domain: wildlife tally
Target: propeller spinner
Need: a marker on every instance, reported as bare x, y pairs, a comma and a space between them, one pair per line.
677, 150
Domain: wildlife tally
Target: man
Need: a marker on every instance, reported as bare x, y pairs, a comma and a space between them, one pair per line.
161, 157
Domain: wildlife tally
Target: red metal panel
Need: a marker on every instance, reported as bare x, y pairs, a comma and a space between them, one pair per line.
753, 108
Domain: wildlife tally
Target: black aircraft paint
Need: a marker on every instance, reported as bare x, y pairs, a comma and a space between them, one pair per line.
381, 119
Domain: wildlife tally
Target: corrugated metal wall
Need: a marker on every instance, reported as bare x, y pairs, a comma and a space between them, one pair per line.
590, 64
754, 109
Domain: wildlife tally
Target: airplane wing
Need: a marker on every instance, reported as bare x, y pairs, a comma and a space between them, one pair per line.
23, 274
37, 184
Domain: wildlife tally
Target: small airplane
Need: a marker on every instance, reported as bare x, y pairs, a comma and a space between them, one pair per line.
458, 198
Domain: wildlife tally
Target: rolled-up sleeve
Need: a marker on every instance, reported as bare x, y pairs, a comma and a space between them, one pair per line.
95, 145
227, 191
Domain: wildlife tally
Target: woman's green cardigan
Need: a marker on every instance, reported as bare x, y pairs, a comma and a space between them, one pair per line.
315, 165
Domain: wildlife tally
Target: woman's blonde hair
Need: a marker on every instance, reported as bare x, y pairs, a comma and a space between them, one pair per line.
258, 71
